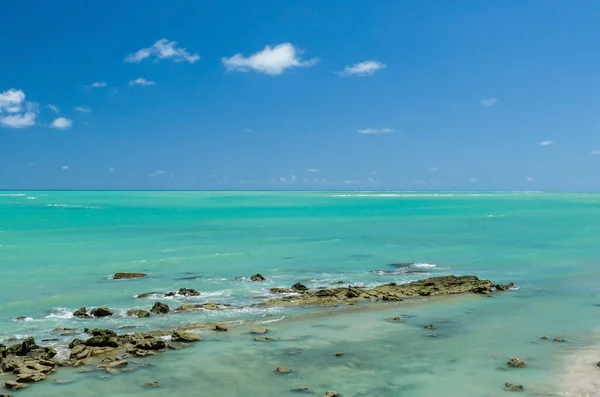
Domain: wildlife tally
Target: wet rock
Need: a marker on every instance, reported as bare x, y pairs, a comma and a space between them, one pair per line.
14, 385
299, 287
332, 393
128, 276
513, 387
282, 370
259, 330
337, 282
301, 389
152, 383
281, 290
211, 306
544, 338
100, 332
81, 313
339, 354
559, 340
184, 292
263, 339
395, 319
414, 271
23, 348
221, 327
429, 326
20, 318
140, 352
102, 341
101, 312
187, 307
353, 293
160, 308
146, 294
31, 377
180, 336
138, 313
504, 287
151, 344
515, 362
257, 277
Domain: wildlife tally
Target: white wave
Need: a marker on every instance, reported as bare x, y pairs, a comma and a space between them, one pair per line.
73, 206
274, 320
12, 195
24, 319
31, 198
424, 265
60, 313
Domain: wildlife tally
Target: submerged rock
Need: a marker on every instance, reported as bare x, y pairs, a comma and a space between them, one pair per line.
281, 290
259, 330
299, 287
152, 383
560, 340
513, 387
184, 292
101, 312
515, 362
339, 354
257, 277
282, 370
301, 389
221, 327
160, 308
138, 313
394, 319
81, 312
504, 287
14, 385
332, 393
429, 326
128, 276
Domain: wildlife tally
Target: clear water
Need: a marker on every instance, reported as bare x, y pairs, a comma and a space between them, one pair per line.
59, 249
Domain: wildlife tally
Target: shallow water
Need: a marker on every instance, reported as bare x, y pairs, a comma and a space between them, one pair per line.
58, 250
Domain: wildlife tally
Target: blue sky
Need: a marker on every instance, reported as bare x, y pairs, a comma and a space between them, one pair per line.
300, 95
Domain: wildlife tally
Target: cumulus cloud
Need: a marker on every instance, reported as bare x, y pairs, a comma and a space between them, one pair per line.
529, 179
111, 170
163, 49
365, 68
371, 131
15, 111
595, 153
434, 169
62, 123
141, 81
65, 167
488, 101
83, 109
271, 60
546, 143
313, 170
53, 108
96, 84
160, 172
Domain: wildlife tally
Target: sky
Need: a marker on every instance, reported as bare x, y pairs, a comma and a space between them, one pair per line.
300, 95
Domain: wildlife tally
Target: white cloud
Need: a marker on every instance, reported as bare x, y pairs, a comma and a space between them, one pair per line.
350, 182
96, 84
141, 81
434, 169
529, 179
472, 180
371, 131
163, 49
595, 153
488, 101
65, 167
83, 109
546, 143
248, 130
159, 172
271, 60
62, 123
372, 180
111, 170
314, 170
366, 68
15, 111
53, 108
113, 91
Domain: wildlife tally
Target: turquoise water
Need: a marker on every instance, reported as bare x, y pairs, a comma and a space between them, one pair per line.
59, 249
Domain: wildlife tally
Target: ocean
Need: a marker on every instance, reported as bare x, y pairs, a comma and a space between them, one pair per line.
59, 250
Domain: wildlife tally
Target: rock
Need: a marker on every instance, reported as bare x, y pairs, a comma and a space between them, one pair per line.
281, 291
515, 362
20, 318
101, 312
299, 287
257, 277
339, 354
504, 287
102, 341
544, 338
560, 340
332, 393
263, 339
14, 385
259, 330
394, 319
337, 282
179, 336
128, 276
352, 293
138, 313
184, 292
23, 348
282, 370
31, 378
211, 306
430, 326
160, 308
186, 307
151, 383
513, 387
221, 327
140, 352
151, 344
81, 313
100, 332
301, 389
